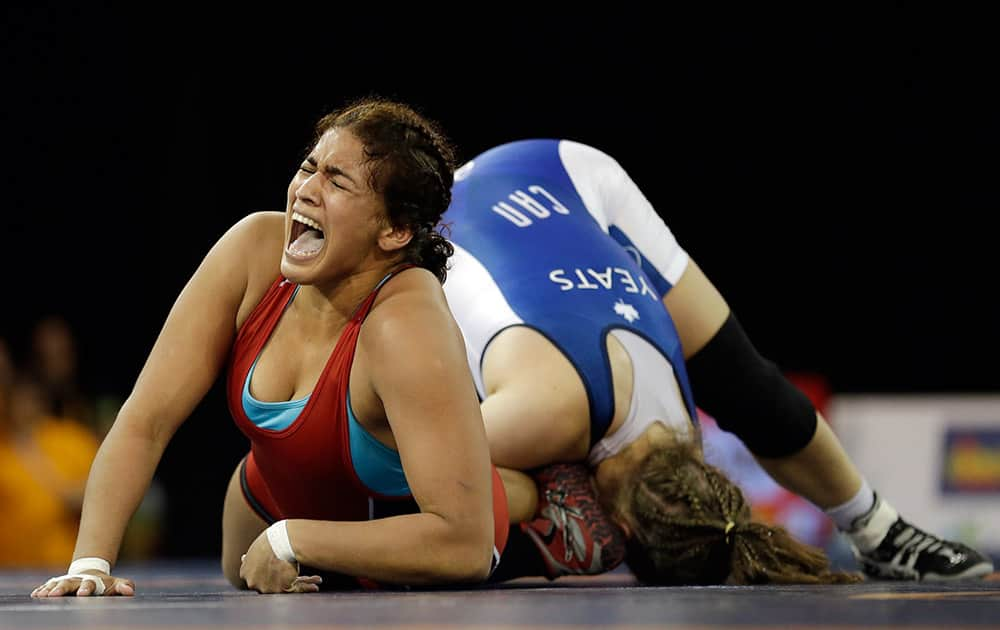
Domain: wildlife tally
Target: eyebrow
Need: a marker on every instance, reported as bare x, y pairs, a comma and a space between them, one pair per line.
332, 171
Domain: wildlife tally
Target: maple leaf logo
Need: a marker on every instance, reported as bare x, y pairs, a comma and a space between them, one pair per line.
627, 311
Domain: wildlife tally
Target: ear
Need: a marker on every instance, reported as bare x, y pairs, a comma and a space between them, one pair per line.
392, 239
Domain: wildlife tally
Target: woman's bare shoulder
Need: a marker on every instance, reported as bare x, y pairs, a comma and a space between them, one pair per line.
407, 303
259, 238
409, 288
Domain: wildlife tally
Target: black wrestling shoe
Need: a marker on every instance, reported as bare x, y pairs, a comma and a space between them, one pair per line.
909, 553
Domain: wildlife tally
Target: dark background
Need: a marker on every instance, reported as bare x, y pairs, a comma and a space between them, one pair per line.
834, 173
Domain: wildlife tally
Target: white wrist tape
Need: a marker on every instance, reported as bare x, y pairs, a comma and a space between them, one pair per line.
90, 564
277, 535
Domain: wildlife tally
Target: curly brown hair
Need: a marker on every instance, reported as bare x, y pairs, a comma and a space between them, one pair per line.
411, 164
692, 526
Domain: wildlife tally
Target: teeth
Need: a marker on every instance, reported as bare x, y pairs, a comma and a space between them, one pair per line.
306, 220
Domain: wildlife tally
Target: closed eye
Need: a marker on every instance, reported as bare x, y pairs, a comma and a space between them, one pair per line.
309, 168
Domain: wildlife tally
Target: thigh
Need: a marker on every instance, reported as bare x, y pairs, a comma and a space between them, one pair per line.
240, 527
522, 495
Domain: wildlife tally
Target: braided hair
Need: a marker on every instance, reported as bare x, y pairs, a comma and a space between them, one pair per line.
411, 164
692, 526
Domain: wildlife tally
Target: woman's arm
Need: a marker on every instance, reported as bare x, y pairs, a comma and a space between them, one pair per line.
183, 364
417, 368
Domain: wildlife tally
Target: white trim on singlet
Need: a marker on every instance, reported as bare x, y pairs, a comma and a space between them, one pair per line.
612, 198
656, 397
479, 306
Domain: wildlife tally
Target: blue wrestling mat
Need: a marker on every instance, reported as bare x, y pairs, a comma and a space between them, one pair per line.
194, 596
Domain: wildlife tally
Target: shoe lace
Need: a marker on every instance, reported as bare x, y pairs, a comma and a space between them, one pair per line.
560, 515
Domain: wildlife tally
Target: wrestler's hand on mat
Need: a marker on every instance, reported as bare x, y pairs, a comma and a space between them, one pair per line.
264, 572
83, 585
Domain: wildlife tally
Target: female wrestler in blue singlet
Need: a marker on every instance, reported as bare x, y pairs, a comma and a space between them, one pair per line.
564, 282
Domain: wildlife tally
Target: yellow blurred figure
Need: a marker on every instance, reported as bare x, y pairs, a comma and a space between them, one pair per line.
44, 462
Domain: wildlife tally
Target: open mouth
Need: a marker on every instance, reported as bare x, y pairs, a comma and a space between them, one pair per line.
305, 239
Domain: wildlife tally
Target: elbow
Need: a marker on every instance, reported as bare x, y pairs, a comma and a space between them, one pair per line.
465, 558
475, 577
479, 562
469, 566
138, 425
477, 556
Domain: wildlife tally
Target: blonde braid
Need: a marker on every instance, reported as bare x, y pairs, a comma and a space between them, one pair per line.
692, 526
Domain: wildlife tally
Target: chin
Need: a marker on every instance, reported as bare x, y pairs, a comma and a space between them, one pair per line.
293, 272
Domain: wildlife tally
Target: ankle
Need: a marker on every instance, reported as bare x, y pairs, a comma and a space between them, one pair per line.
869, 530
861, 503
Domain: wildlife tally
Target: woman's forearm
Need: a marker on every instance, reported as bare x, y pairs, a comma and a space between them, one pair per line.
118, 480
414, 549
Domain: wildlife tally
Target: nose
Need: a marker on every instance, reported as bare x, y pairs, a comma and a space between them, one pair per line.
308, 190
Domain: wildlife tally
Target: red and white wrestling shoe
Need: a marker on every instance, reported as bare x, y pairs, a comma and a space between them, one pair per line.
572, 532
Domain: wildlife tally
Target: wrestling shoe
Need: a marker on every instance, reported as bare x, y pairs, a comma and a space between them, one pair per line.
907, 552
572, 532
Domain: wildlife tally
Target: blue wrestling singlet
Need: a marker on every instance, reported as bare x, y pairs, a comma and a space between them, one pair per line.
554, 235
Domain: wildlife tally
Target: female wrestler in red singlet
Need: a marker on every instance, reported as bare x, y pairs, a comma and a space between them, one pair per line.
337, 303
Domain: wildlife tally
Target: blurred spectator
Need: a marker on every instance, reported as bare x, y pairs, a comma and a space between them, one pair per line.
44, 462
49, 435
6, 372
54, 365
